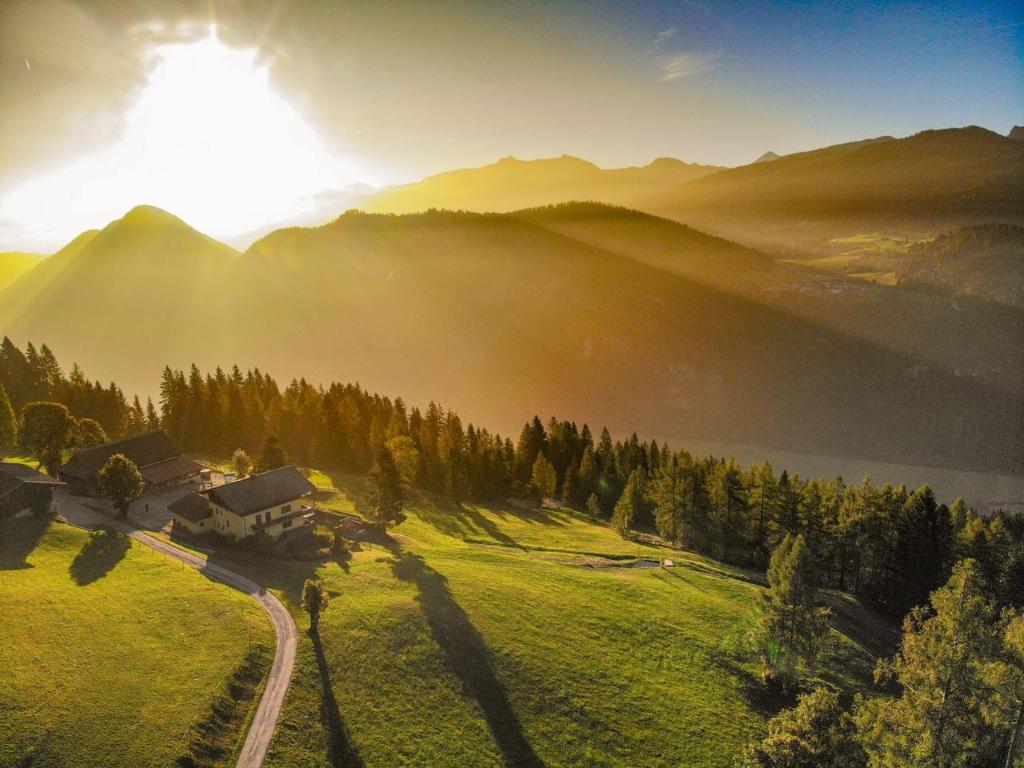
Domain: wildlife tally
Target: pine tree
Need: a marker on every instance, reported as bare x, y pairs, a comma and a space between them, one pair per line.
272, 456
793, 626
631, 504
543, 476
594, 506
387, 497
940, 719
8, 422
817, 733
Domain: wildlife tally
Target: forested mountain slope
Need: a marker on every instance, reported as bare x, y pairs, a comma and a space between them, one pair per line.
503, 316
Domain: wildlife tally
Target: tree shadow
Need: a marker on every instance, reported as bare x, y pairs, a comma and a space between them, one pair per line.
104, 550
467, 656
340, 750
18, 538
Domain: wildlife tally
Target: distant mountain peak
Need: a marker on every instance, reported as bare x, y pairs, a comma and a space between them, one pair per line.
148, 215
767, 157
1016, 133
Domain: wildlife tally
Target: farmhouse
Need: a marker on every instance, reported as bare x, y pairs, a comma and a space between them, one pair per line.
154, 453
271, 503
24, 489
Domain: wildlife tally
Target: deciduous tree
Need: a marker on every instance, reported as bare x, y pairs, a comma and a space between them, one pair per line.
120, 481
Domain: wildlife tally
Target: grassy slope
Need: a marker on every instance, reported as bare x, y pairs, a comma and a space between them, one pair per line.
108, 656
453, 651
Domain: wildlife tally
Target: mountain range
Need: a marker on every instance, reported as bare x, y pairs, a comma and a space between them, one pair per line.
592, 312
796, 205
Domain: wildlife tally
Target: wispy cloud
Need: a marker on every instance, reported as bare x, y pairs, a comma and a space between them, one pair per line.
680, 65
662, 38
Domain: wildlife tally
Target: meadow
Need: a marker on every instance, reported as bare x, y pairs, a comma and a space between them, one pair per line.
487, 636
111, 654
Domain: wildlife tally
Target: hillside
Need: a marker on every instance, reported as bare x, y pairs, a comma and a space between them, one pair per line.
981, 341
511, 184
503, 316
916, 185
985, 262
110, 653
13, 265
536, 642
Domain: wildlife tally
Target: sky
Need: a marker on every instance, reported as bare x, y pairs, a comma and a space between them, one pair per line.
235, 114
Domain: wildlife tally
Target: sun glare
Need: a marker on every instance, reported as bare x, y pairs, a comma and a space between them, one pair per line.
208, 139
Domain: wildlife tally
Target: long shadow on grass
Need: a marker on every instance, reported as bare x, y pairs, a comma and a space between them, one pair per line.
467, 656
104, 550
340, 750
18, 538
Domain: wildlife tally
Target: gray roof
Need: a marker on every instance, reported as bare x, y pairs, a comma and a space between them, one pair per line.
192, 507
16, 475
256, 493
145, 450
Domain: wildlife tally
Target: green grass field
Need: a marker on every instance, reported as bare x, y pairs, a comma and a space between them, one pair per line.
482, 640
108, 650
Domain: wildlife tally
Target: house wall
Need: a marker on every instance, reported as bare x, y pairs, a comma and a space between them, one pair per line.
201, 527
29, 496
227, 523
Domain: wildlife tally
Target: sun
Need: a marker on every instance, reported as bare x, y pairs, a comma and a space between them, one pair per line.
207, 138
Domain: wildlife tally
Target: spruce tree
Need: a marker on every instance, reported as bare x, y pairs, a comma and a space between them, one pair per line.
387, 497
272, 456
631, 504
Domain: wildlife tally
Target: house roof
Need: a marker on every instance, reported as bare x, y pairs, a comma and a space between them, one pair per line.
172, 469
145, 450
192, 506
14, 476
256, 493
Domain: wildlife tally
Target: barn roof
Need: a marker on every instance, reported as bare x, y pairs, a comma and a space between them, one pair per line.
147, 451
14, 476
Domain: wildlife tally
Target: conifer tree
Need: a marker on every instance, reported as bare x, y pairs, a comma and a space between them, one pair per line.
272, 456
594, 506
543, 476
387, 497
8, 421
793, 626
631, 504
939, 720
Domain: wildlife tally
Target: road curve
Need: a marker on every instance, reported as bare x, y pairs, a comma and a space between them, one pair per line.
261, 730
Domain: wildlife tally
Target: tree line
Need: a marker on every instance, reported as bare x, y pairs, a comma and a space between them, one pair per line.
889, 544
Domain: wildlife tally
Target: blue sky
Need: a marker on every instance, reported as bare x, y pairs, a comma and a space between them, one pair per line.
391, 92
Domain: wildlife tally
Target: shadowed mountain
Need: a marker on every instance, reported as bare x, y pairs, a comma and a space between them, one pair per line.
984, 262
978, 340
511, 184
797, 203
14, 264
595, 314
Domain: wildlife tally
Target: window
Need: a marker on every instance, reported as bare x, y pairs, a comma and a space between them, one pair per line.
286, 524
286, 509
259, 519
